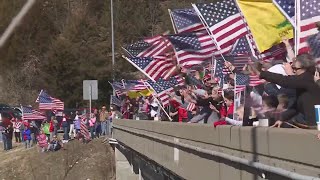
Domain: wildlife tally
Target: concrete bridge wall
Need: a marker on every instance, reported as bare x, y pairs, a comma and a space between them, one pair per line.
289, 152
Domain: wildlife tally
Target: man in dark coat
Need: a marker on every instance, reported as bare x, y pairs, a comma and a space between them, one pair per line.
308, 93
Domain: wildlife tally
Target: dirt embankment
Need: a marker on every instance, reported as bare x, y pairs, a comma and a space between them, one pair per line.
94, 161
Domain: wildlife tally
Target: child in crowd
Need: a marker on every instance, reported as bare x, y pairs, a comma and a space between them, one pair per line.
239, 120
181, 112
269, 106
26, 134
227, 110
283, 102
42, 141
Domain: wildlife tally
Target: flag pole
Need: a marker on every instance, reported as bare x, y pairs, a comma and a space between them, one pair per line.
172, 21
208, 30
138, 68
16, 21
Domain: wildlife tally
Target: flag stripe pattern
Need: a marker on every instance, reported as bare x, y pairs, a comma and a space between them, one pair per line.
46, 102
192, 48
118, 88
163, 87
135, 85
308, 13
29, 114
115, 101
155, 69
186, 20
149, 47
314, 44
84, 129
224, 21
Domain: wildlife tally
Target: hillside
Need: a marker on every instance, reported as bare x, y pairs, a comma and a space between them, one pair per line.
62, 42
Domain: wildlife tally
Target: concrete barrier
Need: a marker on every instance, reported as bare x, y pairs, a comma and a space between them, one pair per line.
198, 151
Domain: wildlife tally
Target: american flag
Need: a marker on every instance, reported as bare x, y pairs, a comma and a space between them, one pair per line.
188, 106
84, 128
29, 114
186, 20
219, 71
191, 106
242, 47
241, 81
151, 67
276, 52
314, 44
287, 7
114, 100
255, 80
251, 80
308, 13
46, 102
224, 21
135, 85
192, 48
242, 51
162, 87
149, 47
239, 61
118, 88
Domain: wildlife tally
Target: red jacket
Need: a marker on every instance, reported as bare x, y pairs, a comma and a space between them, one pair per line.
182, 114
51, 127
227, 111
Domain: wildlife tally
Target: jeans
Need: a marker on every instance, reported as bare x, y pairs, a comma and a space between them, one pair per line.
55, 130
33, 139
103, 128
21, 137
72, 130
9, 143
97, 129
5, 142
27, 144
198, 118
110, 127
51, 135
65, 133
17, 136
92, 131
213, 118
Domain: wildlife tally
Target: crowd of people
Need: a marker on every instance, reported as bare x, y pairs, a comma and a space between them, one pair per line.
45, 134
284, 96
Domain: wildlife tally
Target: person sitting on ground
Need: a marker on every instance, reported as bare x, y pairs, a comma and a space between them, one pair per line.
42, 141
55, 144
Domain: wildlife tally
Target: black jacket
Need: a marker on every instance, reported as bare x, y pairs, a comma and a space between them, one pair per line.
307, 91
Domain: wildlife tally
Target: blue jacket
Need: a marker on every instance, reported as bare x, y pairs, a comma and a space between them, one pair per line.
26, 134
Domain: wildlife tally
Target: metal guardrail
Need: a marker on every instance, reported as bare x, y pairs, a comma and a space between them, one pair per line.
257, 165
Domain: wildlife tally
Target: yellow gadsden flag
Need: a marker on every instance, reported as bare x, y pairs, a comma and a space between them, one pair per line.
266, 22
135, 94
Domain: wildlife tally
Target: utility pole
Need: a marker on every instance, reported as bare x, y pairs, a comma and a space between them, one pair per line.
112, 45
112, 39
